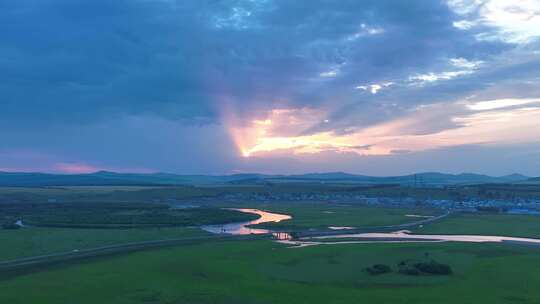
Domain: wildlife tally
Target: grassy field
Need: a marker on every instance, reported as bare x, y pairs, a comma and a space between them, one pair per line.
114, 215
486, 224
103, 194
321, 216
266, 272
38, 241
32, 241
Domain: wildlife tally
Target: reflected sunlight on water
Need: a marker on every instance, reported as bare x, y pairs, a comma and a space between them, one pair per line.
241, 228
404, 237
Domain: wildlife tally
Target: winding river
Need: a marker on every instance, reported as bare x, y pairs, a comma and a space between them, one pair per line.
405, 237
402, 236
242, 228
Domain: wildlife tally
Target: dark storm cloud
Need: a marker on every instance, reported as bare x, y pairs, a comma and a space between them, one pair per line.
80, 60
154, 77
77, 61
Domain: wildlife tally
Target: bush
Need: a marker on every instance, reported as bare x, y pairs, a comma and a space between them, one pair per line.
424, 268
410, 271
434, 268
378, 269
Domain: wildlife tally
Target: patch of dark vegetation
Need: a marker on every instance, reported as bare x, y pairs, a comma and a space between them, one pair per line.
378, 269
116, 215
413, 267
416, 268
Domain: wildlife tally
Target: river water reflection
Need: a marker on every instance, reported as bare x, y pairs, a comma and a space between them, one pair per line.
405, 237
402, 236
241, 228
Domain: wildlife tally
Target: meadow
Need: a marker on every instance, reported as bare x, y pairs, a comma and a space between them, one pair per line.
267, 272
309, 215
114, 215
28, 242
64, 227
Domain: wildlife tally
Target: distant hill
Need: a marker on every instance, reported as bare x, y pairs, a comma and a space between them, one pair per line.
420, 179
531, 181
43, 179
103, 178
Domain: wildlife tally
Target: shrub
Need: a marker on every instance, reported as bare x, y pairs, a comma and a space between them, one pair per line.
410, 271
434, 268
424, 268
378, 269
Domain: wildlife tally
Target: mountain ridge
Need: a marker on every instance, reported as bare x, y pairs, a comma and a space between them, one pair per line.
160, 178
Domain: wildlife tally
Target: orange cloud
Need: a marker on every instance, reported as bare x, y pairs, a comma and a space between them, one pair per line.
429, 127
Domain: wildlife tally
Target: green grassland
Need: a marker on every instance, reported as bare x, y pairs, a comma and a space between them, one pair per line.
113, 218
114, 215
323, 215
103, 194
266, 272
28, 242
65, 223
486, 224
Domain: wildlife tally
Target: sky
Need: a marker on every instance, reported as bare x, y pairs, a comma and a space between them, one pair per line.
376, 87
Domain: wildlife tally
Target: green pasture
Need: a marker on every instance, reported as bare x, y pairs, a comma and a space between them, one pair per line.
267, 272
323, 215
29, 242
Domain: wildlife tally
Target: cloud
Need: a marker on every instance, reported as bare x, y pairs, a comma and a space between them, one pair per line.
515, 21
460, 66
176, 79
502, 103
75, 168
429, 127
180, 59
374, 88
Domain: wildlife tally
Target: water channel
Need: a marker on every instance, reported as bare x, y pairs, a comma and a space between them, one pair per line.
243, 228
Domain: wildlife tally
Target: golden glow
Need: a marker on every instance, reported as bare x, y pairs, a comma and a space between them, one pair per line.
486, 123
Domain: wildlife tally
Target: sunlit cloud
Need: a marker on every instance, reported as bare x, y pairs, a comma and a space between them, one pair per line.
330, 73
75, 168
463, 24
374, 88
502, 103
516, 21
432, 77
278, 129
427, 128
466, 64
460, 66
